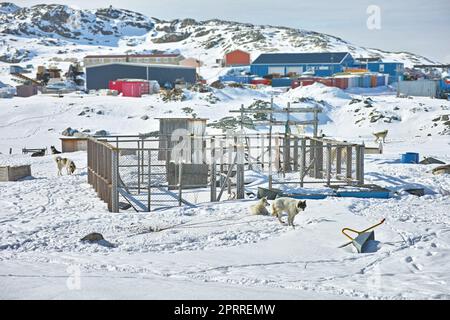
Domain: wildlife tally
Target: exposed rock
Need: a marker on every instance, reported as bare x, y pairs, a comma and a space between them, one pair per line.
171, 37
173, 95
69, 132
93, 237
217, 84
101, 133
211, 98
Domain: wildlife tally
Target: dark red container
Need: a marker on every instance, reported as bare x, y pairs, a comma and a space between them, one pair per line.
341, 83
132, 89
326, 81
261, 81
115, 85
302, 82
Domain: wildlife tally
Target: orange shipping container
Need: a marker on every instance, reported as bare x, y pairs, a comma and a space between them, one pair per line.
373, 81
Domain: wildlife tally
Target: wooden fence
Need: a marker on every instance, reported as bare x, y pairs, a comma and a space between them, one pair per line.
102, 169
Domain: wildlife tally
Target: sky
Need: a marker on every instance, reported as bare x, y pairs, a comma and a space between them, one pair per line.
416, 26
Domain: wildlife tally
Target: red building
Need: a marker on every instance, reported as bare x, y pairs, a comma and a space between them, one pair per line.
236, 58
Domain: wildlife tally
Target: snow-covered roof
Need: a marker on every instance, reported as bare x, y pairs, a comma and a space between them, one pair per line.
301, 58
151, 65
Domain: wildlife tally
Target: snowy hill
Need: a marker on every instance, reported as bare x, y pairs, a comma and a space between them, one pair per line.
52, 28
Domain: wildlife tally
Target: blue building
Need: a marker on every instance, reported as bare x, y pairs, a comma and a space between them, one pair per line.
320, 64
394, 69
98, 76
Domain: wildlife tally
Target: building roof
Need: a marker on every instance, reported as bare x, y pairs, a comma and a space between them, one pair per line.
135, 55
228, 52
301, 58
151, 65
181, 118
369, 59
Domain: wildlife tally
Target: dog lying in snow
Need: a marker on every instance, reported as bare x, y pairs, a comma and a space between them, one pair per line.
54, 150
289, 205
260, 207
65, 163
380, 135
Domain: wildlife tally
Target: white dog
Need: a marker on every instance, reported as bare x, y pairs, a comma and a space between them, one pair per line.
65, 163
289, 205
260, 207
380, 135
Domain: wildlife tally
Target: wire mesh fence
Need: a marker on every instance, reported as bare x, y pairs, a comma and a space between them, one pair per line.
143, 173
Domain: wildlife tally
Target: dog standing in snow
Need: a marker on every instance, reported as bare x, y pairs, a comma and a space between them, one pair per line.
380, 135
260, 207
65, 163
289, 205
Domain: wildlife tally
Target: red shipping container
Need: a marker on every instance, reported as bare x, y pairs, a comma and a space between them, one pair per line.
373, 81
341, 83
115, 85
132, 89
326, 81
261, 81
302, 82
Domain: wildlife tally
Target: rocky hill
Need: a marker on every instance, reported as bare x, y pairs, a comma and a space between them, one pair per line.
122, 30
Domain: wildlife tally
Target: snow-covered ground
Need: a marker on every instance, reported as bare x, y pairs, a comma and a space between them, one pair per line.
222, 251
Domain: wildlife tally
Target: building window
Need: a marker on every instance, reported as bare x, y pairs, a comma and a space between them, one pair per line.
381, 69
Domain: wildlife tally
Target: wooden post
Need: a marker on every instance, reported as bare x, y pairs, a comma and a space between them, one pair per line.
240, 194
114, 181
303, 162
358, 163
213, 171
149, 186
262, 150
295, 154
139, 167
348, 170
312, 155
329, 164
242, 116
338, 160
180, 184
316, 123
318, 167
287, 143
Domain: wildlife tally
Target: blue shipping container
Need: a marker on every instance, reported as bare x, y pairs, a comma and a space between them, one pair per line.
410, 157
281, 82
238, 79
366, 81
380, 80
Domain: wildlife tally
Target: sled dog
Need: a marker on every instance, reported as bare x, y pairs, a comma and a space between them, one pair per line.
289, 205
65, 163
260, 207
380, 135
54, 150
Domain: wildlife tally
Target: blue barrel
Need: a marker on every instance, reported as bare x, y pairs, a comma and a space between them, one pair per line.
410, 157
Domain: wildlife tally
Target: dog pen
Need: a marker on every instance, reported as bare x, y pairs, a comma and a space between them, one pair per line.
138, 170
